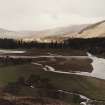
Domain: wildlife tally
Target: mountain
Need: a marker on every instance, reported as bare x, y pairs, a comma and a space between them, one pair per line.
12, 34
58, 34
94, 30
3, 30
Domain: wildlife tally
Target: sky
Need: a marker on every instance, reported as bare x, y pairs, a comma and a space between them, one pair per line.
45, 14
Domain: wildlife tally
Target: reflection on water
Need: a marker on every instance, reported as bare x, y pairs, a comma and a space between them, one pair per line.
10, 51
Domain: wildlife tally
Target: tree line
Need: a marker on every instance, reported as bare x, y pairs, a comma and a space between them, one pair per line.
90, 44
93, 45
12, 44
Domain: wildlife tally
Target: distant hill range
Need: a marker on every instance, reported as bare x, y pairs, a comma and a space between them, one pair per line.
45, 35
58, 34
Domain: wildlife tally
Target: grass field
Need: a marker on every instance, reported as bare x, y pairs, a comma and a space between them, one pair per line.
91, 87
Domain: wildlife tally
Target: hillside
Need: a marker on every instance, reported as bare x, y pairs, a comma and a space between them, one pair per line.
44, 35
63, 33
94, 30
58, 34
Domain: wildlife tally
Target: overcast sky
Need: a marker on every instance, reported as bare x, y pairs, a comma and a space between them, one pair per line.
44, 14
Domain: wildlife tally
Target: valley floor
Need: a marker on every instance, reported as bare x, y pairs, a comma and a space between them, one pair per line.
76, 72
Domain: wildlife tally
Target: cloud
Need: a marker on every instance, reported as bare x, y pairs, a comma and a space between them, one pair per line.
43, 14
